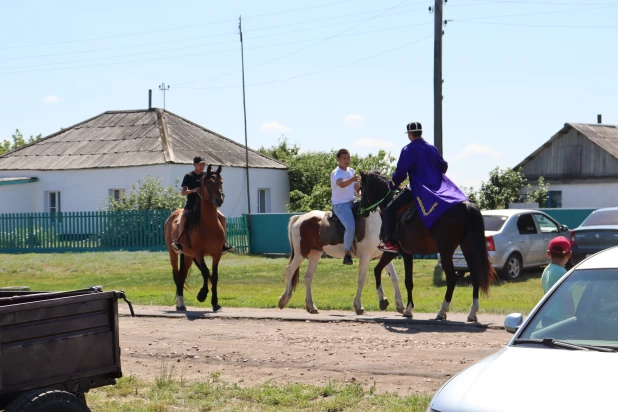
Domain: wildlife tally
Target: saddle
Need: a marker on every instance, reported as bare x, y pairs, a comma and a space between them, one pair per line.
332, 230
405, 215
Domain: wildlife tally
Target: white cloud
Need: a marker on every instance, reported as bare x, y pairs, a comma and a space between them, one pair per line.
50, 99
354, 120
274, 127
476, 150
374, 144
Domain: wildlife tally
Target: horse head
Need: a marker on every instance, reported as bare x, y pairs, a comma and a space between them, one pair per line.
374, 189
212, 186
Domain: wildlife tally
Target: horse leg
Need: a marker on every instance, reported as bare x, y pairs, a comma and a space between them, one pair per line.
201, 264
451, 281
408, 264
291, 278
363, 265
180, 279
390, 268
215, 280
314, 259
474, 264
377, 272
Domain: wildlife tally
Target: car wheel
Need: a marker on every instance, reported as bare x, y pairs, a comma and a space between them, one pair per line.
512, 267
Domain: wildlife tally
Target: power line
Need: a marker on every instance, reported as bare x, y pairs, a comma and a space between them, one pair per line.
535, 13
188, 55
301, 49
314, 72
171, 28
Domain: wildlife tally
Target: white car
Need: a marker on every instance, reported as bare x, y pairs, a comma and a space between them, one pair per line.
562, 358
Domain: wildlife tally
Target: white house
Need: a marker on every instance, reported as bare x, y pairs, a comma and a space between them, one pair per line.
77, 168
581, 164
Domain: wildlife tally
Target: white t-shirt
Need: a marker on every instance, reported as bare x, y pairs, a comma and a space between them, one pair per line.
342, 194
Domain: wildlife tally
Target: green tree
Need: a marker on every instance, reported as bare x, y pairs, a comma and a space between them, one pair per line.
504, 186
309, 172
541, 195
148, 194
18, 141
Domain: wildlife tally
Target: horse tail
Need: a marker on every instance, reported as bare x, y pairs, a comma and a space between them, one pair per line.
486, 273
296, 276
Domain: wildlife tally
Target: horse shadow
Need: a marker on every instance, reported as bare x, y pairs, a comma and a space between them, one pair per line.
193, 314
431, 327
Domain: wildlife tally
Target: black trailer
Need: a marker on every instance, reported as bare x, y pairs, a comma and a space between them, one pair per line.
56, 346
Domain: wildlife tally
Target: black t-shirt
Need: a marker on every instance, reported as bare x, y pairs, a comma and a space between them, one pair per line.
192, 181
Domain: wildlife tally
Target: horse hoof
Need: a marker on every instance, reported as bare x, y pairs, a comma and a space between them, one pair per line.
216, 308
474, 319
361, 311
407, 315
181, 308
313, 311
401, 309
384, 304
441, 317
201, 296
283, 302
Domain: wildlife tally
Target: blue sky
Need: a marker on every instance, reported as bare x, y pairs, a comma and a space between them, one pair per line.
327, 75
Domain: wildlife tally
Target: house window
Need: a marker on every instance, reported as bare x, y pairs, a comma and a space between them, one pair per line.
52, 202
117, 194
263, 200
554, 199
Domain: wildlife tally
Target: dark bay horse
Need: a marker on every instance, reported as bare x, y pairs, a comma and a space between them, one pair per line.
205, 236
462, 225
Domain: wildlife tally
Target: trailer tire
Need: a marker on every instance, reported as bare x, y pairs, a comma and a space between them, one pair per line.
43, 400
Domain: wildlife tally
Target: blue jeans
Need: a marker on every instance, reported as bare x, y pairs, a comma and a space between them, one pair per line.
346, 216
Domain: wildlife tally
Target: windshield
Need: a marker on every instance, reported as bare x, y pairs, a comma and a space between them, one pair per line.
602, 218
582, 310
494, 223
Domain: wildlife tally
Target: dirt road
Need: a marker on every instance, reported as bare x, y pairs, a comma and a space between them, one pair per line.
404, 359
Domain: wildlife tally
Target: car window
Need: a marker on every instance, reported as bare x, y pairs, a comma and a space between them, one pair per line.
545, 224
494, 223
601, 218
583, 309
525, 225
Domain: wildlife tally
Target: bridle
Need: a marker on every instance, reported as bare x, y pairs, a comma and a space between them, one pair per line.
209, 198
376, 204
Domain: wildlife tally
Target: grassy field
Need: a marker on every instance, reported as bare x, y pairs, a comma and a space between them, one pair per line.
167, 393
251, 281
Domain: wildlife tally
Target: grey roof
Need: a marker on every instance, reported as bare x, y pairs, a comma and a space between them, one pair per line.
603, 135
132, 138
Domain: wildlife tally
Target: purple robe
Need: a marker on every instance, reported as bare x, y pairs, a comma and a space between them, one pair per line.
434, 193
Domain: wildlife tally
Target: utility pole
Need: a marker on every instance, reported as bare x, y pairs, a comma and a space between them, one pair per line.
244, 106
164, 88
437, 75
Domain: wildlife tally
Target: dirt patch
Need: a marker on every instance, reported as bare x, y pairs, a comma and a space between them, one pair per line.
405, 359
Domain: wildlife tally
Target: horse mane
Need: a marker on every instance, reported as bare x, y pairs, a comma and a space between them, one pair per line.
376, 176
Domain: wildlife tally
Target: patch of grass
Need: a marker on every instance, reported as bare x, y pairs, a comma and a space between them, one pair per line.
208, 396
253, 281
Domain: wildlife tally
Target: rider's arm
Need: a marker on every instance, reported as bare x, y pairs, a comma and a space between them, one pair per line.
443, 164
347, 182
405, 162
185, 191
357, 188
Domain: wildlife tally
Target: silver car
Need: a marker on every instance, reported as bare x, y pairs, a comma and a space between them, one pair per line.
516, 239
562, 358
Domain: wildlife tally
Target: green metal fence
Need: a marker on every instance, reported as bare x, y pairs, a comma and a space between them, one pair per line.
97, 231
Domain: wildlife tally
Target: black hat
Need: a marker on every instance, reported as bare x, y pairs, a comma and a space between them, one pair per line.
199, 159
414, 127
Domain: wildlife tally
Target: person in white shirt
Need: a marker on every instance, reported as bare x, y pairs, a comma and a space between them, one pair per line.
344, 183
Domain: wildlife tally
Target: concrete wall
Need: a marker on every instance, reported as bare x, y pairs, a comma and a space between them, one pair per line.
85, 190
587, 195
19, 198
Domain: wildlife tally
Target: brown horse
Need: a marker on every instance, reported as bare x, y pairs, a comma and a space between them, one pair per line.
204, 236
461, 225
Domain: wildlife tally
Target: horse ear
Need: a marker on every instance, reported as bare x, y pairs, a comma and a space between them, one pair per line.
362, 174
208, 170
218, 170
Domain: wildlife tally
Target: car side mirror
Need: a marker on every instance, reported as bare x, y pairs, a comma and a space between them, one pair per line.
513, 321
564, 228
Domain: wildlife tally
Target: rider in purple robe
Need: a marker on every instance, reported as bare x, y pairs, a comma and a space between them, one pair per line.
431, 191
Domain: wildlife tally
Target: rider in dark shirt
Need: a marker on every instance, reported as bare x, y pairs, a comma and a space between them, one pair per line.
191, 184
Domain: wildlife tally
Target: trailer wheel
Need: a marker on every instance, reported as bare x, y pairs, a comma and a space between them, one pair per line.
43, 400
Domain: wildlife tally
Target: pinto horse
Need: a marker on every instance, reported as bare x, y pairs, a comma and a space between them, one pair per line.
204, 236
461, 225
305, 242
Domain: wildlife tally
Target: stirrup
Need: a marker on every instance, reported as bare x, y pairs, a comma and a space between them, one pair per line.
175, 248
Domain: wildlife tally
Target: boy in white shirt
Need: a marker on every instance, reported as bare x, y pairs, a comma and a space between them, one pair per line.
344, 185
